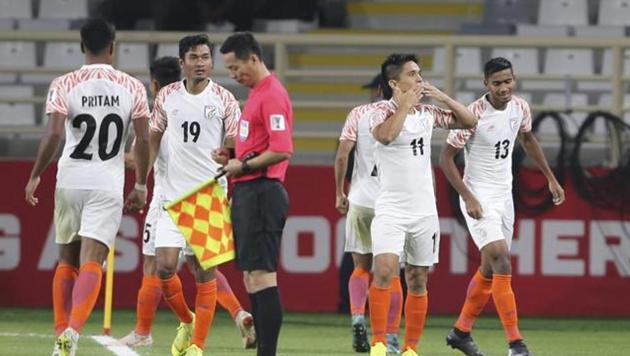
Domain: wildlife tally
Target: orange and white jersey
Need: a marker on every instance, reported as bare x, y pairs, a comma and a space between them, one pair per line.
99, 102
193, 126
488, 147
404, 166
364, 186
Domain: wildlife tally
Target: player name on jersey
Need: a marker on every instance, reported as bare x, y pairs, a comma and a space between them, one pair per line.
100, 100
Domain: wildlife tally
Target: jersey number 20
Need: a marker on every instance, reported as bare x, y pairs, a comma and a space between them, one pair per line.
103, 136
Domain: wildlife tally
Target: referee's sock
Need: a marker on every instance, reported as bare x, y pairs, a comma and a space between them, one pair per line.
268, 320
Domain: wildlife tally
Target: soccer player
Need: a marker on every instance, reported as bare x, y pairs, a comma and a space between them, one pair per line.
196, 116
486, 199
406, 220
94, 105
164, 71
359, 207
260, 202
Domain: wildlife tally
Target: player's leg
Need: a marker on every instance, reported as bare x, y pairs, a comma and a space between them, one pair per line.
387, 242
421, 252
479, 288
359, 243
65, 275
394, 315
150, 292
258, 230
205, 301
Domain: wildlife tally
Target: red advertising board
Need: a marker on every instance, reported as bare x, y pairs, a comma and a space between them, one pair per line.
572, 260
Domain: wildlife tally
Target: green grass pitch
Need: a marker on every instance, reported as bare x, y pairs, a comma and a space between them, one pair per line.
29, 332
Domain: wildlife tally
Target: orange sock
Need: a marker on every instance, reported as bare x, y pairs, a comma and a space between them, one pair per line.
84, 294
395, 306
149, 297
174, 296
477, 295
358, 290
205, 304
63, 282
416, 307
505, 303
225, 296
379, 305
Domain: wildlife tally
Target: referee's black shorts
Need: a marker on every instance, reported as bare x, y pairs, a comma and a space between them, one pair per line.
259, 211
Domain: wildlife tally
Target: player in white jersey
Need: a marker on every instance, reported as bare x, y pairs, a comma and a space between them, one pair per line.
94, 105
164, 71
405, 210
486, 199
196, 116
359, 207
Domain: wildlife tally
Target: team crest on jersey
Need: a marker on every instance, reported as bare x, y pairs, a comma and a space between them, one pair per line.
514, 123
243, 131
277, 122
210, 112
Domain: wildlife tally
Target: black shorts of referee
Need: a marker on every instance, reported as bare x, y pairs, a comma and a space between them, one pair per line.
259, 212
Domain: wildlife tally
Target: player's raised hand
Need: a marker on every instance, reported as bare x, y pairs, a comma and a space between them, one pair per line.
556, 192
220, 155
341, 203
136, 201
408, 98
29, 191
473, 208
433, 92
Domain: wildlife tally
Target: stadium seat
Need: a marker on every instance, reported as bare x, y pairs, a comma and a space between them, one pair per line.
599, 31
605, 100
606, 63
524, 60
572, 120
507, 12
542, 31
7, 24
43, 24
563, 12
16, 114
64, 56
466, 97
12, 54
16, 9
569, 61
63, 9
614, 12
133, 56
467, 61
167, 49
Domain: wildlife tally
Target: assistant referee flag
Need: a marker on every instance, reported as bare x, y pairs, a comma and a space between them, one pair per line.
203, 217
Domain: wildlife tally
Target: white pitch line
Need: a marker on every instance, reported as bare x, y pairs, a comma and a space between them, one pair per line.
114, 346
108, 342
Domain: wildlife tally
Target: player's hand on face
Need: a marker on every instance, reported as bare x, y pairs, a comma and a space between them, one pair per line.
220, 155
29, 191
473, 208
410, 97
557, 192
341, 203
433, 92
233, 168
135, 201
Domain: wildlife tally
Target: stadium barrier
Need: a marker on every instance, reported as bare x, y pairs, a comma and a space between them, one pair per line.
570, 260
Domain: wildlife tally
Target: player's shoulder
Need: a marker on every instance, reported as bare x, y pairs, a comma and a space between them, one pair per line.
478, 106
169, 89
221, 91
520, 102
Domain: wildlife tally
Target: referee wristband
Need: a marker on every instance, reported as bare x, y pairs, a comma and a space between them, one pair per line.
140, 187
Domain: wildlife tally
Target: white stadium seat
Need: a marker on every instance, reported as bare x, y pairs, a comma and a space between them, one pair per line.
563, 12
467, 61
569, 61
63, 9
524, 60
16, 9
64, 56
133, 56
542, 30
43, 24
167, 49
16, 114
572, 121
614, 12
6, 24
16, 54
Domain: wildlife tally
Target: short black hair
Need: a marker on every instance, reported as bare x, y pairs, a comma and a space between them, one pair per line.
243, 44
189, 42
96, 35
165, 70
391, 69
496, 64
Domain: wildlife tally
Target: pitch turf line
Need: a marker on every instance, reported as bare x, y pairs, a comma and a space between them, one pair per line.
106, 341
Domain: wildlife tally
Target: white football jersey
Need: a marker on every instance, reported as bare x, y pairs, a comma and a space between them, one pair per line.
193, 126
99, 103
488, 147
364, 184
404, 166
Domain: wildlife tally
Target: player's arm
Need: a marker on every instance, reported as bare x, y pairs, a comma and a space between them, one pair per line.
141, 149
535, 153
388, 130
447, 163
341, 167
48, 146
464, 118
